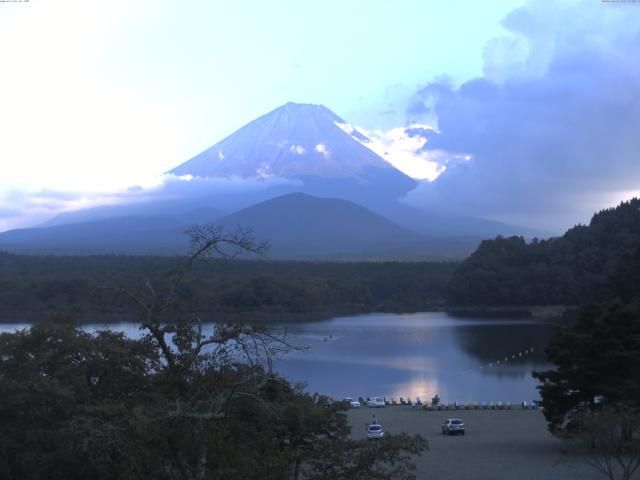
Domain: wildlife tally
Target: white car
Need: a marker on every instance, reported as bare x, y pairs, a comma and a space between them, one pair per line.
352, 403
453, 426
376, 402
375, 431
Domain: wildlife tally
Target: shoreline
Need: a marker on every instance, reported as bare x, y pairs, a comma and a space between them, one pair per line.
526, 311
555, 312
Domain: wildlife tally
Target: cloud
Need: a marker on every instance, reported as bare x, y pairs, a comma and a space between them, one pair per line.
20, 207
322, 149
551, 127
172, 186
297, 149
403, 147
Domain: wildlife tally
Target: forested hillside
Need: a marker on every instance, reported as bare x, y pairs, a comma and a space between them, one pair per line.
261, 289
569, 270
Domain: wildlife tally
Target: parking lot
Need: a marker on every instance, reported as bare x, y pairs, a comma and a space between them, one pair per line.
498, 444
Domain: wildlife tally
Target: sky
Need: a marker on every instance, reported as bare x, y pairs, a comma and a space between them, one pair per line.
535, 102
553, 122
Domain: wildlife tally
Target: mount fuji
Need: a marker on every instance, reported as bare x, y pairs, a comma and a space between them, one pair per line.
303, 143
295, 149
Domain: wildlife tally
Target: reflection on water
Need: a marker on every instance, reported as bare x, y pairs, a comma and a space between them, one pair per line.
419, 354
410, 355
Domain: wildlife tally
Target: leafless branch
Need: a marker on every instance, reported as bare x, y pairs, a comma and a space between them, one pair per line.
608, 440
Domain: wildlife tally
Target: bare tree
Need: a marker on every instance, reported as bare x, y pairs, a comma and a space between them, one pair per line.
182, 340
608, 440
207, 365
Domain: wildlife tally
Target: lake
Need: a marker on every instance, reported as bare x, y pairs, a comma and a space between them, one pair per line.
419, 354
409, 355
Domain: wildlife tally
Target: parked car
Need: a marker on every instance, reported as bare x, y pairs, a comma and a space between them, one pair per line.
376, 402
352, 403
375, 431
453, 426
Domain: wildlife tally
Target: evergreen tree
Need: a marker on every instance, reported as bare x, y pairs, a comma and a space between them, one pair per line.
598, 358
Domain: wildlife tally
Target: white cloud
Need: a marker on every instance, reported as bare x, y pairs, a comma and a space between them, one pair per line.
350, 129
322, 149
297, 149
21, 207
24, 208
402, 147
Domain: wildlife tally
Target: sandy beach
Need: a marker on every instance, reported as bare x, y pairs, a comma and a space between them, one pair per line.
499, 444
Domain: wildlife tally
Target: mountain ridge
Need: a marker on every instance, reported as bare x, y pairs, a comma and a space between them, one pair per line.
298, 226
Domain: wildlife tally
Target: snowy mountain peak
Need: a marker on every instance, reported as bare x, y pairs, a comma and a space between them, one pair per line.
296, 141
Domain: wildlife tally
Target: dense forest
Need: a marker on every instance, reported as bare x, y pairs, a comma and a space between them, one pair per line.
570, 270
259, 289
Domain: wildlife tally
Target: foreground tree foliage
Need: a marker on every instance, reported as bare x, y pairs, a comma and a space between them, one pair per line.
592, 398
598, 362
182, 402
597, 358
349, 459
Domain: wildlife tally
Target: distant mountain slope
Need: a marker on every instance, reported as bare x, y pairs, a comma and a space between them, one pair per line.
298, 226
572, 269
302, 142
131, 234
443, 224
297, 223
302, 226
200, 210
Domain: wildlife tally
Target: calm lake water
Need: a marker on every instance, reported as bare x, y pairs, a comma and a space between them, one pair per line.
409, 355
419, 354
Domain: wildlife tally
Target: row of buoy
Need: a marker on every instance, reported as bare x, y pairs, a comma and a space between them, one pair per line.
514, 356
508, 358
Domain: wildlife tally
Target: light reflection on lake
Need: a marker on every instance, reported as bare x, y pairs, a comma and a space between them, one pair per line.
409, 355
419, 354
